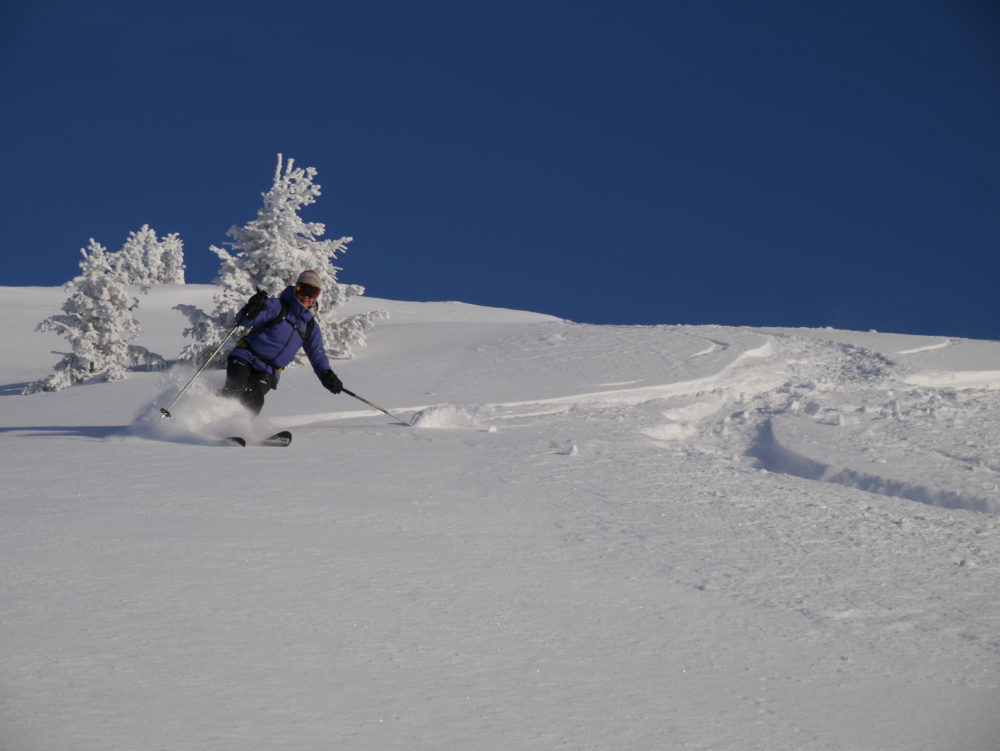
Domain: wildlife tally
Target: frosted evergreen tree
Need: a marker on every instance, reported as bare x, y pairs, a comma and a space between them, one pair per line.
172, 259
145, 259
97, 319
269, 253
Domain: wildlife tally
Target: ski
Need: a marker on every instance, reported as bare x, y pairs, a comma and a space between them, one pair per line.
282, 438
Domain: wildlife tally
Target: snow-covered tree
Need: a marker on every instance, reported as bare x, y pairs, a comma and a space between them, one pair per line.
97, 319
145, 259
269, 253
172, 259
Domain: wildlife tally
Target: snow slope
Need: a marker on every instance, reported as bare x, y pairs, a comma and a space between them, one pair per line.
590, 537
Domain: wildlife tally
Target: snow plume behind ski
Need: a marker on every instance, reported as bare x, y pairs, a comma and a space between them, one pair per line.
602, 537
203, 417
446, 416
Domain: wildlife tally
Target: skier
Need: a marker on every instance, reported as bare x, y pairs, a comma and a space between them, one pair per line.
281, 326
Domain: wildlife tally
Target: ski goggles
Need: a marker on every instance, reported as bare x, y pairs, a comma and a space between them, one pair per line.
307, 290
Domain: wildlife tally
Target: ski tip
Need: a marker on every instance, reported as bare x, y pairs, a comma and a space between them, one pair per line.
234, 441
279, 439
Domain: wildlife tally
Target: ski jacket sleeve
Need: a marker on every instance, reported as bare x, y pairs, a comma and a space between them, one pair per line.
272, 309
313, 345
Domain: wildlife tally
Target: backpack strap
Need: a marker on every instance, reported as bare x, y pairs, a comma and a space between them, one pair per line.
304, 334
284, 316
272, 323
309, 327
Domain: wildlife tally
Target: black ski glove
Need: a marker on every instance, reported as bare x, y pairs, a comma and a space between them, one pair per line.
255, 305
331, 382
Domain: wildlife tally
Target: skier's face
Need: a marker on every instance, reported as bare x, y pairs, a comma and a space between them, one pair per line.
306, 294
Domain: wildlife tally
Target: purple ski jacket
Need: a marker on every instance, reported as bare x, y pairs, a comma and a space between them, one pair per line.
271, 347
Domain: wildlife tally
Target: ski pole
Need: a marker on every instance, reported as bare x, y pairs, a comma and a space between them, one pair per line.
370, 404
165, 411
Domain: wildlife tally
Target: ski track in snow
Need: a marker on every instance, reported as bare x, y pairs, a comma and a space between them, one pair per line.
773, 400
927, 348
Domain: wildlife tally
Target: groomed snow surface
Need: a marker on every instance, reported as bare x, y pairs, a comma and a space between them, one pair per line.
587, 537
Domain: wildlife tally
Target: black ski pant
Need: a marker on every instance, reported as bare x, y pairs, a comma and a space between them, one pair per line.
246, 384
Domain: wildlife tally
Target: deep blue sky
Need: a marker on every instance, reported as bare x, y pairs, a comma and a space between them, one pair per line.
771, 162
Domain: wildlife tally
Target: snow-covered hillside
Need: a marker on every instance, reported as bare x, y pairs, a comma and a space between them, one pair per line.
590, 537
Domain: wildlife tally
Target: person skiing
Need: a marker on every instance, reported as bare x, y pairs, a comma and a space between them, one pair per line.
280, 327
